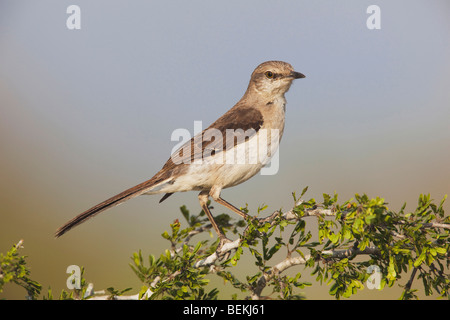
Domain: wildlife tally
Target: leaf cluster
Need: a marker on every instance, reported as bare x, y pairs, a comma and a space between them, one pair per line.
13, 269
341, 248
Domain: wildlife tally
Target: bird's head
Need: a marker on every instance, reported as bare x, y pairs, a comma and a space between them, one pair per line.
273, 78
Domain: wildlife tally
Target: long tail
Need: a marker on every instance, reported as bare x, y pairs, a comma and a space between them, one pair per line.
109, 203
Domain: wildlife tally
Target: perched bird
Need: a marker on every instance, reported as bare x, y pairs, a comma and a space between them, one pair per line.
230, 151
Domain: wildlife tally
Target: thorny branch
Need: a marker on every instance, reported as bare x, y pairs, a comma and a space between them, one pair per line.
289, 261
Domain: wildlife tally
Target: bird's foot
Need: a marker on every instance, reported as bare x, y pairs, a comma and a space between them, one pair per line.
223, 255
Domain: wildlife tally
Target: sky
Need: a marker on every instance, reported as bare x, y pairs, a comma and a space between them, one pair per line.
88, 113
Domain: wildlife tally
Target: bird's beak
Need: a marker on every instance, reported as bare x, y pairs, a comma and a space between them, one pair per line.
297, 75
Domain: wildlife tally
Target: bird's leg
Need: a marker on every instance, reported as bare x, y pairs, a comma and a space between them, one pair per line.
203, 199
231, 207
215, 194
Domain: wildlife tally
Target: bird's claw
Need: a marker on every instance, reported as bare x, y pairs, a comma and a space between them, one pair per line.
223, 255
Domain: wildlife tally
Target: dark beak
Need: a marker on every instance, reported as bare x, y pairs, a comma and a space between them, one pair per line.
297, 75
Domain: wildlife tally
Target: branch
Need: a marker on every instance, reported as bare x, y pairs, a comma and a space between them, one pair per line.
294, 261
410, 281
288, 262
431, 225
292, 216
288, 215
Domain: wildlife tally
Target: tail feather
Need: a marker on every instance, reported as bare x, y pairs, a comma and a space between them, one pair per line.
109, 203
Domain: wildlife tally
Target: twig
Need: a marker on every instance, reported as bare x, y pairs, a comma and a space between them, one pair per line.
411, 280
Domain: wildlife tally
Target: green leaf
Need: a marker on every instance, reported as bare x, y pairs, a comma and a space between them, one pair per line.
197, 247
185, 213
392, 274
420, 259
304, 191
333, 237
370, 218
433, 252
166, 235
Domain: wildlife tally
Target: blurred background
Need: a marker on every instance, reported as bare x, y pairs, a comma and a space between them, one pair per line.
85, 114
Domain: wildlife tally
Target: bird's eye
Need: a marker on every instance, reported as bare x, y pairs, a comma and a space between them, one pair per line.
269, 74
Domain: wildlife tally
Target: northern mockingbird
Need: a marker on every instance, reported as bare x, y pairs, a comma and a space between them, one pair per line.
210, 162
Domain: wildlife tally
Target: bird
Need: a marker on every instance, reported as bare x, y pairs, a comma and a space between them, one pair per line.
213, 159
